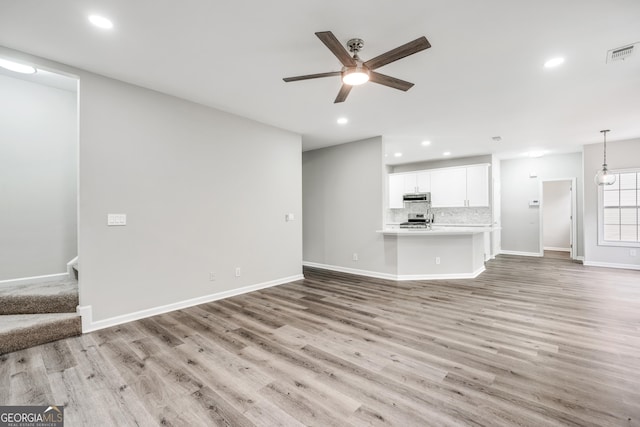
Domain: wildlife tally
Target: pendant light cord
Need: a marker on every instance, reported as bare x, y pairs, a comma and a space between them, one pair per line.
604, 132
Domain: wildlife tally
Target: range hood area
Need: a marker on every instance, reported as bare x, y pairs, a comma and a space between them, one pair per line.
416, 197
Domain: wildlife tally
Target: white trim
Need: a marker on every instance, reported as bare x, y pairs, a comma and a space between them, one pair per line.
574, 215
600, 217
580, 258
34, 279
441, 276
70, 268
553, 248
505, 252
611, 265
396, 277
88, 325
367, 273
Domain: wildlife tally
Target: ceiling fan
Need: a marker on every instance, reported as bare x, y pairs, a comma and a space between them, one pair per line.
355, 71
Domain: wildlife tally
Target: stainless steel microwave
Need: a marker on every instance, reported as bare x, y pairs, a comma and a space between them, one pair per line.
416, 197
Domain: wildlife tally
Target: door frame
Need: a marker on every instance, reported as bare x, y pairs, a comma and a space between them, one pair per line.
574, 221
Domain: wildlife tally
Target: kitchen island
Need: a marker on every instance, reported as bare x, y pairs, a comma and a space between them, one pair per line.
437, 253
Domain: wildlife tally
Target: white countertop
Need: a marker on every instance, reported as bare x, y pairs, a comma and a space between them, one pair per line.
436, 231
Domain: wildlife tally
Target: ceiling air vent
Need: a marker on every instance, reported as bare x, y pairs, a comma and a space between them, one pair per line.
620, 54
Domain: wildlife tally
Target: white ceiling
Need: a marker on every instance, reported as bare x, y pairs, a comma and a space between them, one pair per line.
483, 77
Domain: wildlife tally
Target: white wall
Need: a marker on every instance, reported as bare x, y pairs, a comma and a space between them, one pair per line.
620, 155
520, 222
204, 191
38, 178
343, 207
556, 212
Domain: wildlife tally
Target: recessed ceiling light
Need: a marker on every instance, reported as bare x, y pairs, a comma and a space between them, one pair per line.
101, 22
426, 143
342, 121
397, 154
446, 153
17, 67
553, 62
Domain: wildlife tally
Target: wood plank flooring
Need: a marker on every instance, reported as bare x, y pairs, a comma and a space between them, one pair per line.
530, 342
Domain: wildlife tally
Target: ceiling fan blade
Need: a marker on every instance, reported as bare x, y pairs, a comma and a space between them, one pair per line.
311, 76
344, 92
398, 53
389, 81
336, 47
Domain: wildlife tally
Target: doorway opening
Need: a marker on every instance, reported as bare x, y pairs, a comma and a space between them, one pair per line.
558, 218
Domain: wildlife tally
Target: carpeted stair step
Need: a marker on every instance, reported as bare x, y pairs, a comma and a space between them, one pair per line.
27, 330
45, 297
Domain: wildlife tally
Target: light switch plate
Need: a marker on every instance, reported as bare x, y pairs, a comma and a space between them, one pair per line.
116, 219
289, 217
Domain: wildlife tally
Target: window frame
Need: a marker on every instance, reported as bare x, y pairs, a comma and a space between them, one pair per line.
601, 207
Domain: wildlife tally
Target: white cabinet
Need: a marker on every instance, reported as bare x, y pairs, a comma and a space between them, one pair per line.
423, 181
417, 182
410, 182
478, 186
396, 190
448, 187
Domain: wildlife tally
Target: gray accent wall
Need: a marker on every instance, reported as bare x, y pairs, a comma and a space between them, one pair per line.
38, 178
343, 207
204, 192
520, 222
620, 155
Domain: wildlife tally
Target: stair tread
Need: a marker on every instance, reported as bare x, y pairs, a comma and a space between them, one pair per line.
59, 287
13, 322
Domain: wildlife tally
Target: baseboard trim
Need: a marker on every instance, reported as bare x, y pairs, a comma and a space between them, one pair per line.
367, 273
34, 279
611, 265
88, 325
535, 254
441, 276
553, 248
396, 277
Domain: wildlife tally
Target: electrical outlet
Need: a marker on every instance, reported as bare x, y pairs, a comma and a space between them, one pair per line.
212, 276
238, 271
437, 260
355, 256
633, 252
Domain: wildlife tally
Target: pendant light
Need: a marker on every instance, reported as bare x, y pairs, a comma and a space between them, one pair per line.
604, 177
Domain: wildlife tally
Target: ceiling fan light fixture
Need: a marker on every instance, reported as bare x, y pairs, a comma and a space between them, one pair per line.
355, 76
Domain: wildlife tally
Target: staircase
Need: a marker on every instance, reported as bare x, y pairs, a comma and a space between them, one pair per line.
37, 313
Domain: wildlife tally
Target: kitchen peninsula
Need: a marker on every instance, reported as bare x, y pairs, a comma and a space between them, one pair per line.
437, 253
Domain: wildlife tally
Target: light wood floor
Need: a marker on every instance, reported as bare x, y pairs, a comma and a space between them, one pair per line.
531, 342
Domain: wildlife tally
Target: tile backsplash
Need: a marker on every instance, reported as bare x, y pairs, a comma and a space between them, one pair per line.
443, 215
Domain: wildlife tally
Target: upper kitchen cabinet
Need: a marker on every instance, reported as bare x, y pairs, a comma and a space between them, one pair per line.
417, 182
464, 186
409, 182
478, 186
449, 187
396, 190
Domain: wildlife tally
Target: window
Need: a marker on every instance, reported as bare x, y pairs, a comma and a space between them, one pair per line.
618, 208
